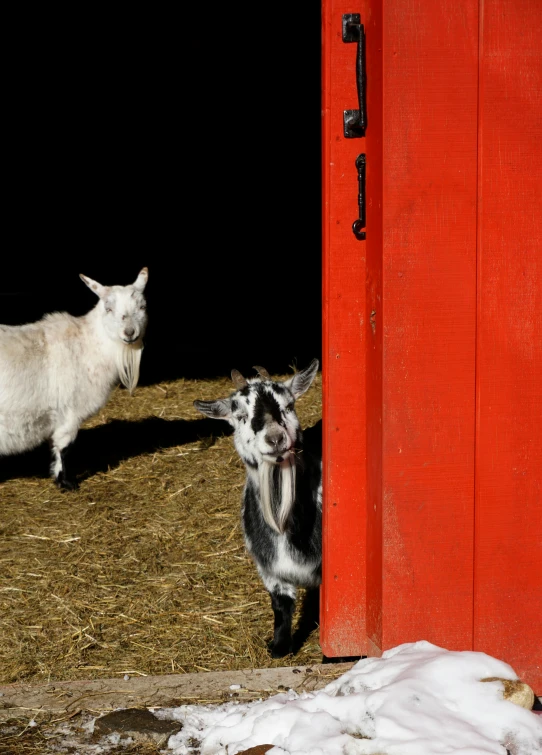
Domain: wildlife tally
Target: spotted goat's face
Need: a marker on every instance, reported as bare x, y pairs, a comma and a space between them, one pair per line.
262, 413
266, 428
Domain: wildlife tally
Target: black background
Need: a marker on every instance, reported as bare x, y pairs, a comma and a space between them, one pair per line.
186, 140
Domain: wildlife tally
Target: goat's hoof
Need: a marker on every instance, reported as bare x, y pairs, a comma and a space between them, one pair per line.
63, 484
280, 649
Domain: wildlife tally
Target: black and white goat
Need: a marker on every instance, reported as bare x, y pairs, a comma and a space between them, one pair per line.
282, 498
57, 372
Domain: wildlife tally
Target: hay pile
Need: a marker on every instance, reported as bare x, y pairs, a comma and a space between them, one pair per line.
143, 570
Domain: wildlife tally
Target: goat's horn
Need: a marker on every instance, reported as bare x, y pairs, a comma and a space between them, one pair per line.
262, 372
238, 380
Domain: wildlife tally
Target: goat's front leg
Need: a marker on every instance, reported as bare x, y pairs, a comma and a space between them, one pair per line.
60, 442
283, 608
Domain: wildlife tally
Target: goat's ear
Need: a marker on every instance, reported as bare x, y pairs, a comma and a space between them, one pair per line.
98, 289
301, 381
220, 409
141, 280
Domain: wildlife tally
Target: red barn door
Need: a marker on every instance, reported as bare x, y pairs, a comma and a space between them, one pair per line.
508, 533
433, 328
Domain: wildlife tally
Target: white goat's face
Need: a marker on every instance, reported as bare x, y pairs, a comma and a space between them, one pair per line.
125, 313
262, 413
123, 307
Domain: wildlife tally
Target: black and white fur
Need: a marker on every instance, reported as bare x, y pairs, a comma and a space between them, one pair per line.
282, 499
59, 371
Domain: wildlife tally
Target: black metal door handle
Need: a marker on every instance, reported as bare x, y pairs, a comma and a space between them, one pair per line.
359, 223
355, 120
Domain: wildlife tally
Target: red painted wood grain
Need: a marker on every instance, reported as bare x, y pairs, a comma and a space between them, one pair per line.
428, 318
508, 545
433, 332
342, 631
373, 325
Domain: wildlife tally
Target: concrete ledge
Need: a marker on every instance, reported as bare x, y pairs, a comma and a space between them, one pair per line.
102, 695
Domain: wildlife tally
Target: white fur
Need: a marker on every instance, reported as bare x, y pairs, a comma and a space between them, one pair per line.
59, 371
285, 496
287, 572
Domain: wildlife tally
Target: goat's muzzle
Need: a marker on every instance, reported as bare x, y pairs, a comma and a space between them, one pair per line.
278, 444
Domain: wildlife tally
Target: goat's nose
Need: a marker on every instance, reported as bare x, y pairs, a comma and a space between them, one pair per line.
276, 439
129, 332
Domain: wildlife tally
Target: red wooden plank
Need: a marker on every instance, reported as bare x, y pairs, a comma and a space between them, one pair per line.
428, 317
508, 555
373, 325
342, 631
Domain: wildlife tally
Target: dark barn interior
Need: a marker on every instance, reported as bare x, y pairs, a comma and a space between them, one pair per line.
188, 142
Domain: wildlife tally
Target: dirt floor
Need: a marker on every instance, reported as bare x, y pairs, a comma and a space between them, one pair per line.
143, 570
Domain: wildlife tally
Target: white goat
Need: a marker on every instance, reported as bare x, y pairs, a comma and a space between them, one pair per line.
282, 499
59, 371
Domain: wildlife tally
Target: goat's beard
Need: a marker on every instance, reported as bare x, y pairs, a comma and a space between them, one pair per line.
128, 362
277, 492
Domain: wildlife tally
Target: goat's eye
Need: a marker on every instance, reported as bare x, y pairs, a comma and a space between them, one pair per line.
124, 317
108, 309
143, 307
290, 407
